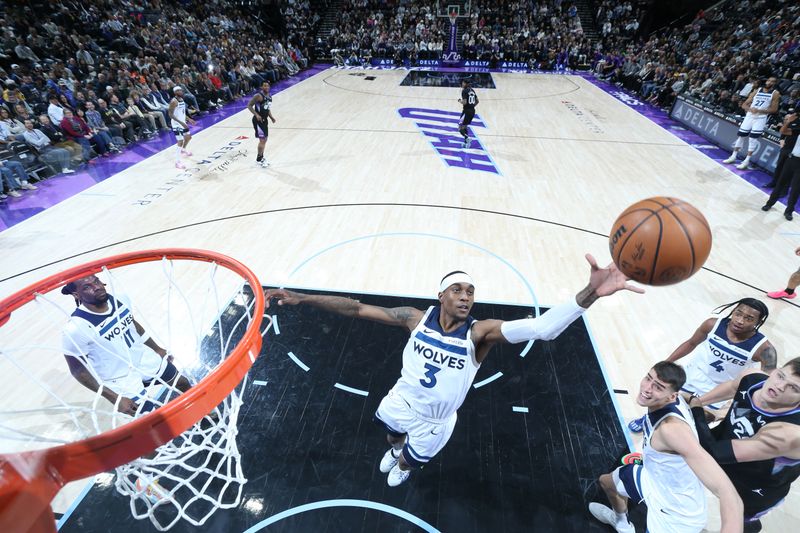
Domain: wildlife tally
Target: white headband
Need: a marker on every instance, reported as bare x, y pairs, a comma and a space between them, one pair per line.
456, 277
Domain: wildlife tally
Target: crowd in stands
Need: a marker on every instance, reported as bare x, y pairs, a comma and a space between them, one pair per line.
85, 79
719, 58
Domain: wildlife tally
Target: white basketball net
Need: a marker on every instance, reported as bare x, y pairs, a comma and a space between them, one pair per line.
193, 475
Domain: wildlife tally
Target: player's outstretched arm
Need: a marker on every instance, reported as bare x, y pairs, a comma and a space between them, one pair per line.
679, 438
407, 317
693, 342
602, 282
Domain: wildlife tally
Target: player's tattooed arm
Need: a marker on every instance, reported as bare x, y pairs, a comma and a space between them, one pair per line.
407, 317
768, 357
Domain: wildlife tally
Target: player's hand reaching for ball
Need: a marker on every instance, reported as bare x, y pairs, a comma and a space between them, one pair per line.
283, 296
607, 281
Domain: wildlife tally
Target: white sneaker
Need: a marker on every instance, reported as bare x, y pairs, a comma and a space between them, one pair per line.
68, 171
388, 461
14, 194
28, 187
263, 163
180, 165
607, 515
397, 476
744, 165
731, 159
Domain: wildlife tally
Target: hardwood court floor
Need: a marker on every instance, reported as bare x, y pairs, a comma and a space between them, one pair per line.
358, 200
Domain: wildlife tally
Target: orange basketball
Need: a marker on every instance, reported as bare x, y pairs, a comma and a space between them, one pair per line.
660, 241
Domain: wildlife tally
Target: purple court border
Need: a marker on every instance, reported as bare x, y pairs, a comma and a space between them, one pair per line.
59, 188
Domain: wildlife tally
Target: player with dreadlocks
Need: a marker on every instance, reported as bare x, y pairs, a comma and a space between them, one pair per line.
727, 347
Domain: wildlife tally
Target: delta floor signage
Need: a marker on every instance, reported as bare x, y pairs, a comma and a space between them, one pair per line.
511, 65
721, 129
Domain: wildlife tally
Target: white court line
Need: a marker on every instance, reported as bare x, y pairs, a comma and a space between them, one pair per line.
299, 362
519, 409
275, 327
261, 383
527, 349
488, 380
351, 389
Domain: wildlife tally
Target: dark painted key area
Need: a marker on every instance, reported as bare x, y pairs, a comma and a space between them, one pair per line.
307, 442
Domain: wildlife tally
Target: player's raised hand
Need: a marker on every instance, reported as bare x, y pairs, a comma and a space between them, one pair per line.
283, 296
608, 280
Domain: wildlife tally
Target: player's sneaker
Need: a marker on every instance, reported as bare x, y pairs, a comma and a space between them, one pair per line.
744, 165
388, 461
731, 159
187, 153
180, 165
466, 142
636, 425
263, 163
777, 295
607, 515
397, 476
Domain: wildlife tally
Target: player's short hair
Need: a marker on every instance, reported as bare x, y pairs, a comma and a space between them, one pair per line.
671, 374
794, 366
758, 305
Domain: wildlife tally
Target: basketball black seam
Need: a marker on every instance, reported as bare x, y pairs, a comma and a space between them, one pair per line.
622, 245
658, 246
688, 237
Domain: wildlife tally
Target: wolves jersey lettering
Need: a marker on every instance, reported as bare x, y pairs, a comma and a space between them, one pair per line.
111, 346
718, 359
438, 367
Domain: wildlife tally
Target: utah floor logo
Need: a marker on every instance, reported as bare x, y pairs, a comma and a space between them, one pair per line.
441, 130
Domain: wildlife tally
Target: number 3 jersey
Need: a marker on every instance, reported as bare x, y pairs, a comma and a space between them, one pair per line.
111, 346
718, 360
438, 367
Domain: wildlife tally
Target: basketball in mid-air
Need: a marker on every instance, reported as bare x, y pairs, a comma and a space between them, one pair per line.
660, 241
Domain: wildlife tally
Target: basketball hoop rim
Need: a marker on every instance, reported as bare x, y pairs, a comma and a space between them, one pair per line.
46, 471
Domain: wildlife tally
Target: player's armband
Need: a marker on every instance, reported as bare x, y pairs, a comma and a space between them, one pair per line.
546, 327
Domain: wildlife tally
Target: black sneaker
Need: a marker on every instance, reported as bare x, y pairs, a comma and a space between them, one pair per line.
788, 215
766, 207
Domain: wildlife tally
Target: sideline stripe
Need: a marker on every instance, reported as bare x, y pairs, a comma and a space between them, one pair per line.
260, 383
299, 363
519, 409
620, 418
326, 504
75, 503
351, 389
487, 380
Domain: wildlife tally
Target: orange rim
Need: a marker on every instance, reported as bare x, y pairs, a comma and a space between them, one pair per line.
29, 480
